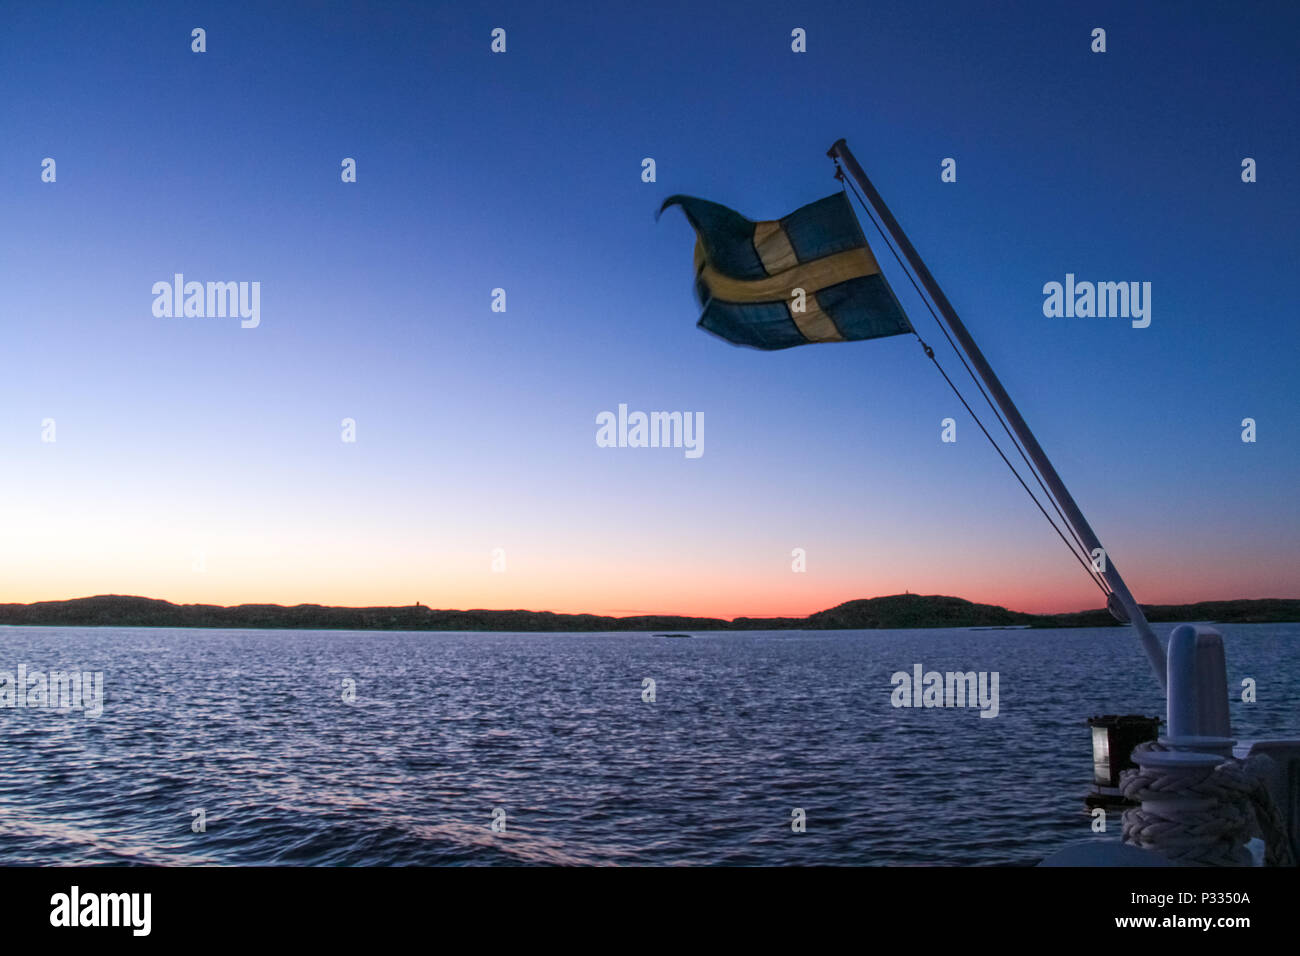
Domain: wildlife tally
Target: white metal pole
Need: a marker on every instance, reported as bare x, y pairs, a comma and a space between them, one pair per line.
1155, 653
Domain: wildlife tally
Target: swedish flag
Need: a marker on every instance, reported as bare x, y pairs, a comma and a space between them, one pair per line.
746, 274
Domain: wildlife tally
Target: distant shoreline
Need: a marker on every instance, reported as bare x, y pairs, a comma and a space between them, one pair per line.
894, 612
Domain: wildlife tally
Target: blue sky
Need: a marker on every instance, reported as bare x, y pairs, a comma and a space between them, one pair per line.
522, 171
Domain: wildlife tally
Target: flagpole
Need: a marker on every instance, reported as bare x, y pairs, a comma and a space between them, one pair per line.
1155, 653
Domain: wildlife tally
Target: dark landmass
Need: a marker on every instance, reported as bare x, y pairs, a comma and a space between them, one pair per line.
1263, 611
895, 611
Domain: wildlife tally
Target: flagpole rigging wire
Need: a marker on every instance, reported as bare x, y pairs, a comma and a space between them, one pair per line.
1080, 554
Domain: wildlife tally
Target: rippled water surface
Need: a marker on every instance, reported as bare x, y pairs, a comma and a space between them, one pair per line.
251, 727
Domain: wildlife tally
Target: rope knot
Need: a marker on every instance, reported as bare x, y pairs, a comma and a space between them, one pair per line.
1203, 815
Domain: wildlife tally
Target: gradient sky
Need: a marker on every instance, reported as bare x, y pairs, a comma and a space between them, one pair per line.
476, 430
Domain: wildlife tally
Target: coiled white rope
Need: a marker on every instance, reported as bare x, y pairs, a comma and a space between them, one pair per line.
1238, 806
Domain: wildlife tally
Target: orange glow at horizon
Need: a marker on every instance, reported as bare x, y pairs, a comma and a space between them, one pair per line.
729, 571
779, 593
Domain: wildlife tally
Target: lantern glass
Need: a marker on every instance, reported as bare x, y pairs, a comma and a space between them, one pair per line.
1102, 773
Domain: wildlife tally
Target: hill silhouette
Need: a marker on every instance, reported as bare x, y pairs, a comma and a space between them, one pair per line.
891, 612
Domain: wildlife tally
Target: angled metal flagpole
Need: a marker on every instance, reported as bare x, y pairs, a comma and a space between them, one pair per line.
1155, 653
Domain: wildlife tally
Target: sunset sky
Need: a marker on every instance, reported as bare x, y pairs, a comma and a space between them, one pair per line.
198, 461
